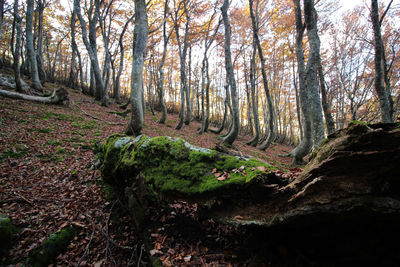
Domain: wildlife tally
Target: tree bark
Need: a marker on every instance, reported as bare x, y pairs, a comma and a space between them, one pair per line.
330, 124
254, 141
72, 74
117, 85
182, 58
384, 96
30, 47
310, 17
58, 96
234, 132
90, 47
271, 117
306, 143
39, 55
139, 46
17, 49
160, 83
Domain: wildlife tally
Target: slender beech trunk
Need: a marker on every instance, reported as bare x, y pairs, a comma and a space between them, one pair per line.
72, 73
271, 117
317, 121
182, 58
306, 143
90, 46
39, 55
330, 124
234, 132
254, 141
141, 33
384, 96
160, 83
17, 48
1, 16
117, 85
30, 47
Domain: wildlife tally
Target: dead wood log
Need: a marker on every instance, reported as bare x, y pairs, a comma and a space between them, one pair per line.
58, 96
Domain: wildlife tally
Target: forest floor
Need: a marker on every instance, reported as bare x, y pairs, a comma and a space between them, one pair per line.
46, 183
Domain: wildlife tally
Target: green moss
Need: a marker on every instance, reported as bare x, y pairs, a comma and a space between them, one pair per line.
16, 152
315, 151
357, 122
54, 143
7, 231
51, 248
171, 165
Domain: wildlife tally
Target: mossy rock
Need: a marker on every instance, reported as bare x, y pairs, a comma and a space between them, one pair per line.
7, 231
51, 248
172, 165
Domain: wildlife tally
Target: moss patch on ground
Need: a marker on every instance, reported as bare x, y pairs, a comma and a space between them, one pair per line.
173, 165
6, 233
49, 250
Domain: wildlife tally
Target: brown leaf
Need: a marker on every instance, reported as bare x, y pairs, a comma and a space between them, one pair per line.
261, 168
222, 178
237, 218
214, 170
217, 174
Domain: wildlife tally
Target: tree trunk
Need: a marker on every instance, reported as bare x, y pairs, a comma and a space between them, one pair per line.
1, 16
91, 46
160, 83
234, 132
39, 55
310, 17
383, 96
17, 49
30, 47
139, 46
306, 143
72, 74
117, 85
254, 141
330, 124
182, 58
58, 96
271, 118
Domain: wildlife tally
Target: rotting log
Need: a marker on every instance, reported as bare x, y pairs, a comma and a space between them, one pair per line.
340, 210
58, 96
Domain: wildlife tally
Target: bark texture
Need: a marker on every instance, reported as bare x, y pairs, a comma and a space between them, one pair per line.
30, 47
310, 17
58, 96
384, 96
141, 33
234, 132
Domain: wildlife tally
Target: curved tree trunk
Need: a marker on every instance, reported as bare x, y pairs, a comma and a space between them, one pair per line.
117, 85
58, 96
91, 46
234, 132
139, 46
271, 134
306, 143
220, 129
